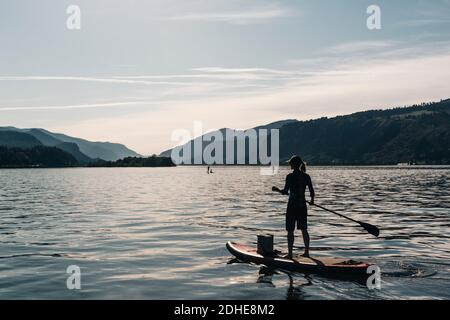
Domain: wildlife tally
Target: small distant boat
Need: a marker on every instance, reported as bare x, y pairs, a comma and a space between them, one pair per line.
405, 164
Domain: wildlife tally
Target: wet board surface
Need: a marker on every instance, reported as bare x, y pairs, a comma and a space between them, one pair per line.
322, 265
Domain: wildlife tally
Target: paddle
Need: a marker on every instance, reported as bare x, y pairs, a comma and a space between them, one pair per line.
373, 230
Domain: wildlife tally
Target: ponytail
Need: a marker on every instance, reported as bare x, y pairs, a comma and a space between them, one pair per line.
303, 167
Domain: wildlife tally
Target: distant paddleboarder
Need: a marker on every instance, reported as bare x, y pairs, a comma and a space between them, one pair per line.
297, 211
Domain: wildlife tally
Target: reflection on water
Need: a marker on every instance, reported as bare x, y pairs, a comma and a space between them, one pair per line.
157, 233
294, 291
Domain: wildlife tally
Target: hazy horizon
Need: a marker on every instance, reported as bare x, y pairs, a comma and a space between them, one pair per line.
136, 71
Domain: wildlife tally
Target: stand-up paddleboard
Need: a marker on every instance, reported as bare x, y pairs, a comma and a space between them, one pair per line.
324, 265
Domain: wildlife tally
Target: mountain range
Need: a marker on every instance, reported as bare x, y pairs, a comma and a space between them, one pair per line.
83, 151
415, 134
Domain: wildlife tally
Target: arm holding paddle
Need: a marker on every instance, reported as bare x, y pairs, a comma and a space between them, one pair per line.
311, 190
283, 192
286, 193
373, 230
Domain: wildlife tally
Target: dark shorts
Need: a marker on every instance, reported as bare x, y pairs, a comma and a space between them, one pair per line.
297, 213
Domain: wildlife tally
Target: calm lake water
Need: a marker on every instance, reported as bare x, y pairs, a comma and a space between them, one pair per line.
160, 233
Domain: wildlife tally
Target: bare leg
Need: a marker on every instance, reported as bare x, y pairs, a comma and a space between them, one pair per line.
306, 241
290, 238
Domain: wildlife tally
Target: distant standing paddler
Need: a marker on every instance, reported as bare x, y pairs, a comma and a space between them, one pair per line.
297, 211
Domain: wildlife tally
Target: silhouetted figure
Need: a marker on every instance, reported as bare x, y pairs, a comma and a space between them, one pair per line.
297, 211
207, 170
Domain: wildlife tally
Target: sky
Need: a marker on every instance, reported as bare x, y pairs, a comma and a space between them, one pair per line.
136, 71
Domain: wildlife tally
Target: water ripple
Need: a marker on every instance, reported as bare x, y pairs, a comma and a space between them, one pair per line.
160, 232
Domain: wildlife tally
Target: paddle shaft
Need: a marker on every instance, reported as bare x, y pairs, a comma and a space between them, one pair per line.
323, 208
340, 215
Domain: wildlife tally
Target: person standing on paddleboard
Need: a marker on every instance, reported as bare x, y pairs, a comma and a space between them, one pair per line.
297, 211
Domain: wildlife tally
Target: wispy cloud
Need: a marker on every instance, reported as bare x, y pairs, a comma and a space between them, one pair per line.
242, 70
81, 106
221, 73
249, 16
117, 80
360, 52
361, 46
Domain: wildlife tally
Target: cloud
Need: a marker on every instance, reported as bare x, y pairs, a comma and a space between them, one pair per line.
249, 16
360, 46
81, 106
117, 80
225, 74
244, 70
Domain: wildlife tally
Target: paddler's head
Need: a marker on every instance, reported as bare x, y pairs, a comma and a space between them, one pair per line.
297, 163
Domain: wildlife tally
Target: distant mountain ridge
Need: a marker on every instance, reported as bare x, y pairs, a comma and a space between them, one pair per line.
97, 150
223, 132
83, 151
419, 134
18, 139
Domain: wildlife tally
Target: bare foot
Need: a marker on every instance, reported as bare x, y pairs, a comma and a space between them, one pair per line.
306, 255
287, 256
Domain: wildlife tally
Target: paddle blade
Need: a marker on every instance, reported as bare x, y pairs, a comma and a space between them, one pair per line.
370, 228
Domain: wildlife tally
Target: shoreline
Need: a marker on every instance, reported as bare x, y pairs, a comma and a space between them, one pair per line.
381, 166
